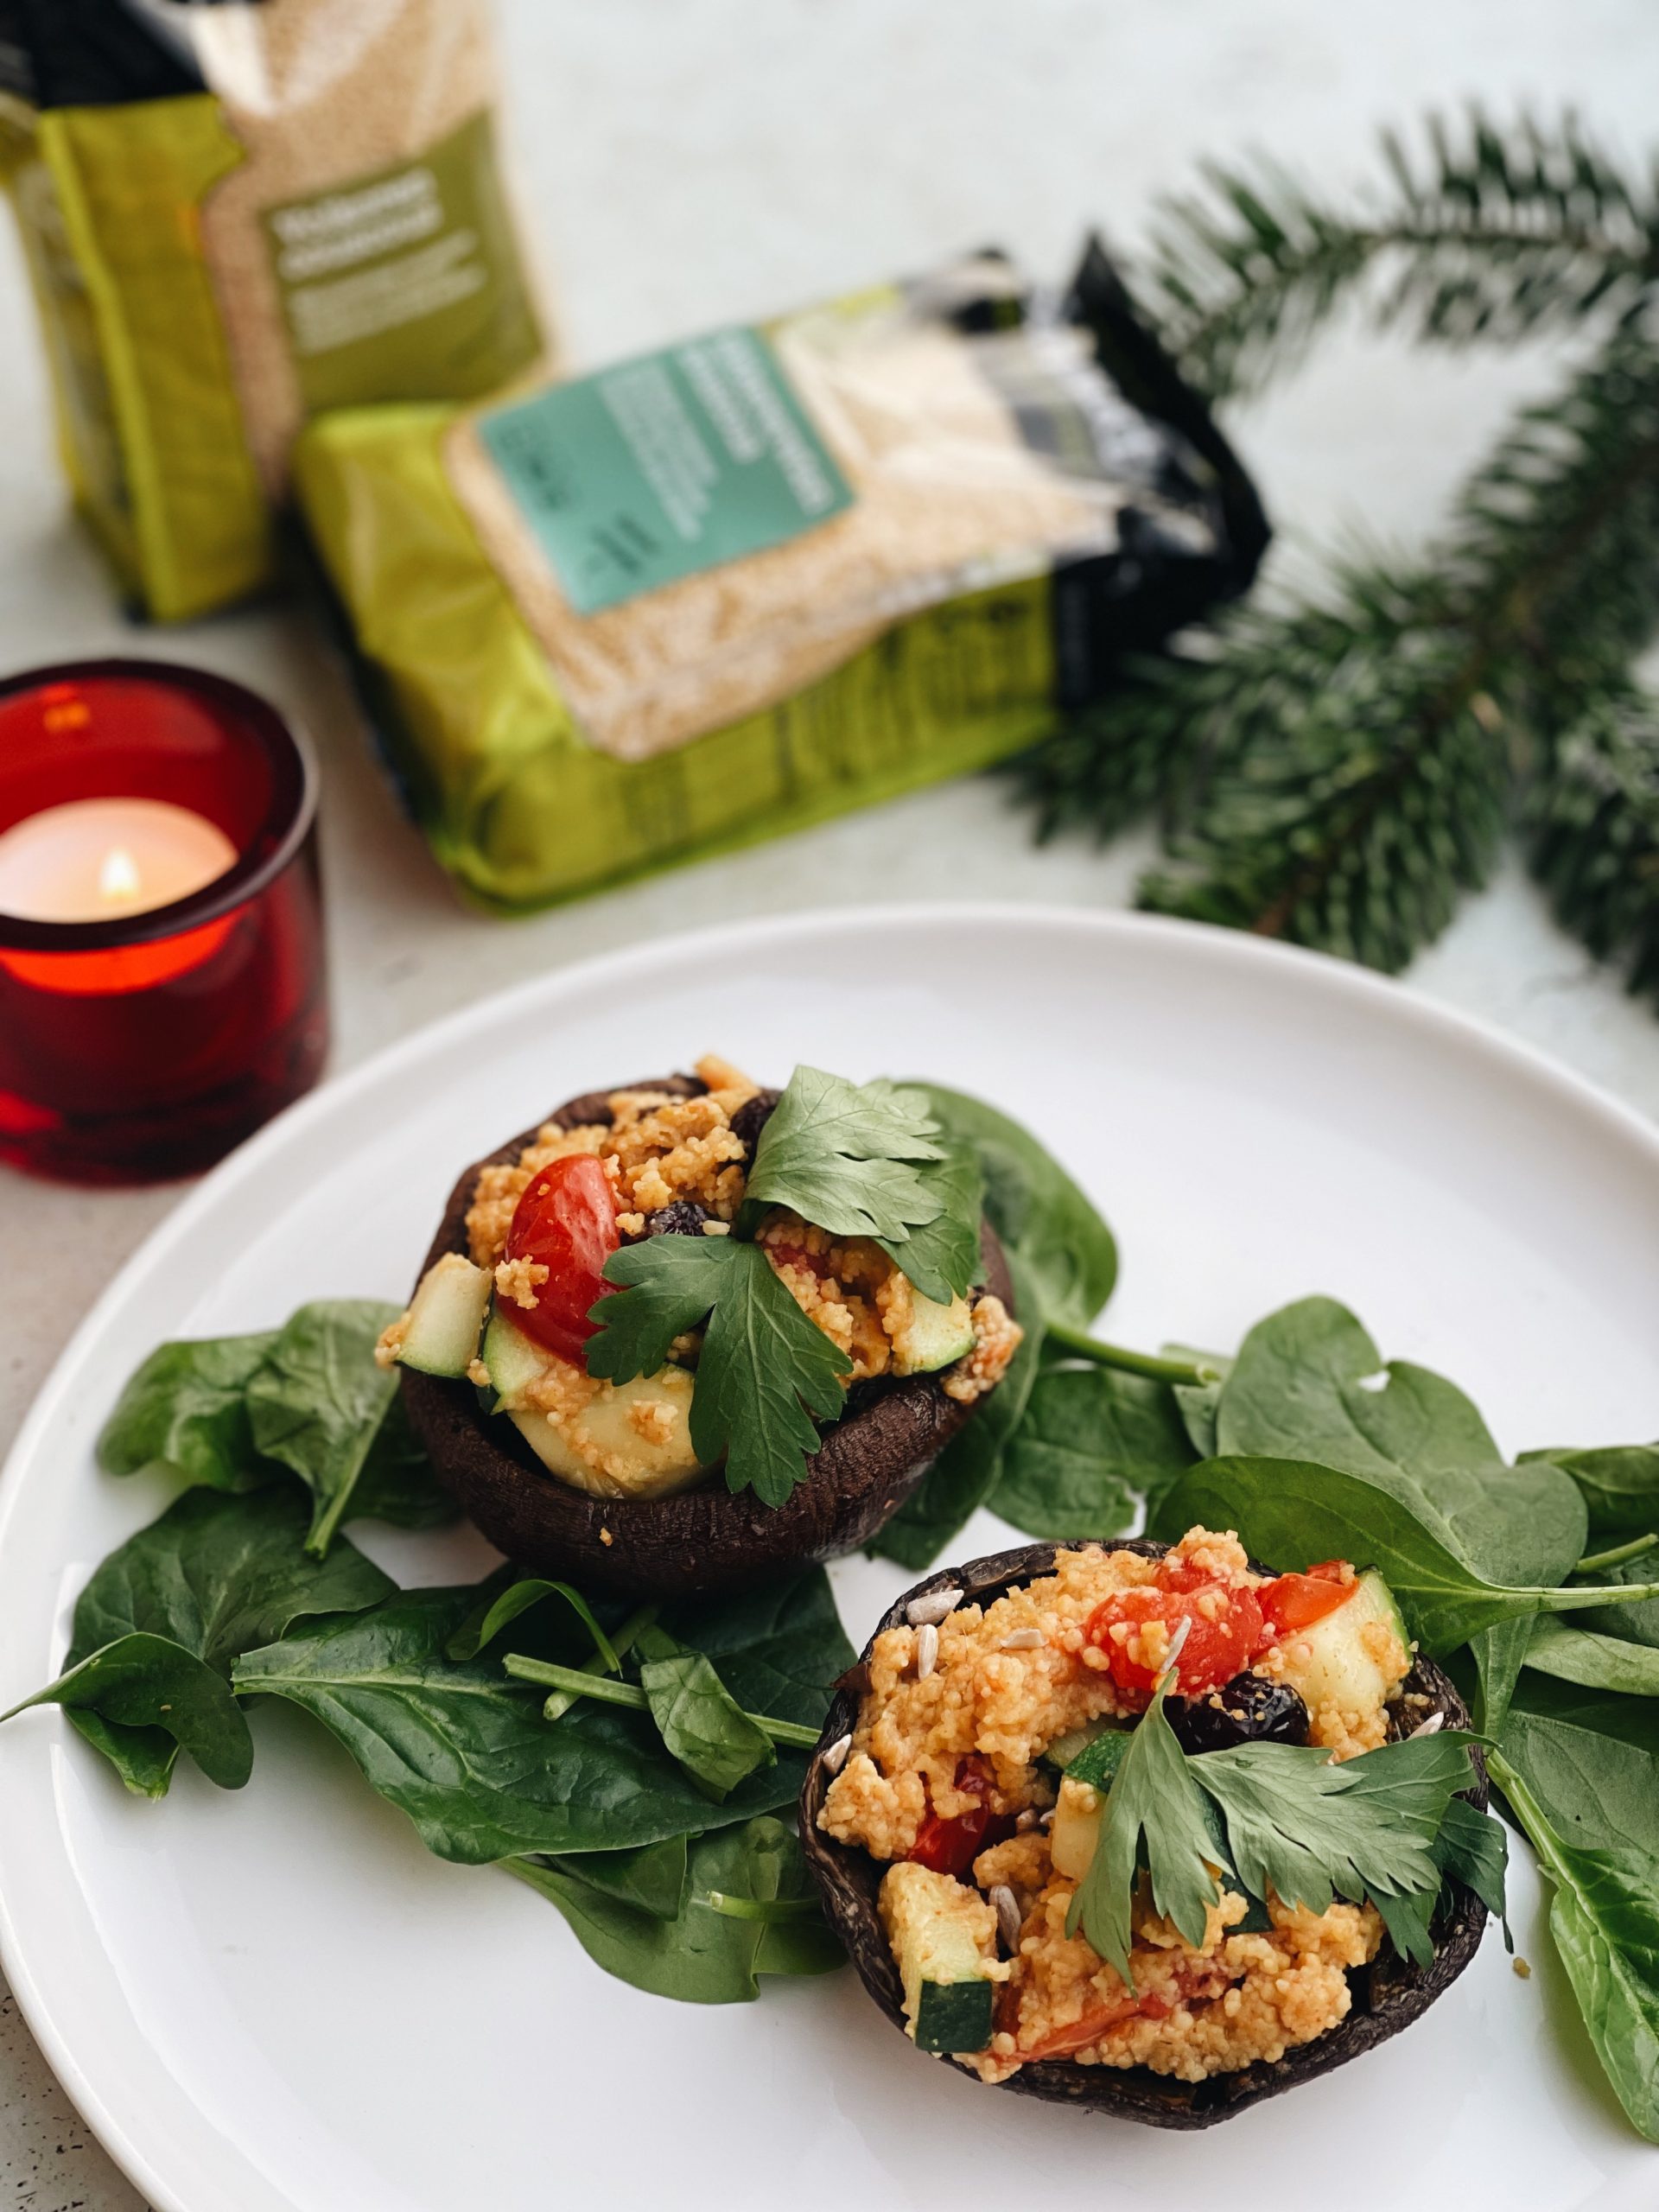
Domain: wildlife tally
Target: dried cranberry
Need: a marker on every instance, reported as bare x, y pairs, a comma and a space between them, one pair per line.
752, 1117
1250, 1709
684, 1218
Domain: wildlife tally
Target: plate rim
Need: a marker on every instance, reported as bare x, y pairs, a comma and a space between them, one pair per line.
1207, 942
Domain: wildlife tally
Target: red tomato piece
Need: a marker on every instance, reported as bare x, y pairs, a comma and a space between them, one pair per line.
950, 1846
566, 1221
1224, 1634
1077, 2035
1298, 1600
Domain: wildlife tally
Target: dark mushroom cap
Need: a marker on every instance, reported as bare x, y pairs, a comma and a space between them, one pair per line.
694, 1540
1388, 1995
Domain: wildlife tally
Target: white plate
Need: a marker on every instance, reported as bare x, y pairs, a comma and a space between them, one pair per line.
278, 2002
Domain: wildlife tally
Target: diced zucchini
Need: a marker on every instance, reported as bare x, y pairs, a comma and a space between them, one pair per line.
1098, 1760
1076, 1829
441, 1328
926, 1336
639, 1463
1063, 1751
954, 2015
1356, 1657
944, 1938
514, 1360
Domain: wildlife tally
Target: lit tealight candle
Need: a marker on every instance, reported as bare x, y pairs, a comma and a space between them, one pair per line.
96, 858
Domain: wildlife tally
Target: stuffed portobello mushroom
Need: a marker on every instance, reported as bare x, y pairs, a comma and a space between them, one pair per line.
690, 1332
1146, 1828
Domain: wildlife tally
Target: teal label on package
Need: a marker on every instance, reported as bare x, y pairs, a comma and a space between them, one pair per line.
666, 465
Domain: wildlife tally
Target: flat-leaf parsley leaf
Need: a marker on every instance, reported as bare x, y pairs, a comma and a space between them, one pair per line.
869, 1159
764, 1372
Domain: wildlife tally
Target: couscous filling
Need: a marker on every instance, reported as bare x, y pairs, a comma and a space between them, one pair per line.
948, 1778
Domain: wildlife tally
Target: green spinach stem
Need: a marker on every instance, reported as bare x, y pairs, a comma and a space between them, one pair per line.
1531, 1815
632, 1629
1081, 1346
1595, 1562
760, 1908
579, 1684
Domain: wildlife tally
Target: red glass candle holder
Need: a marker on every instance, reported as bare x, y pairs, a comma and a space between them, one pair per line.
141, 1047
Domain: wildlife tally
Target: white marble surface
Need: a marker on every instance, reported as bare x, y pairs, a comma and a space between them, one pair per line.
689, 161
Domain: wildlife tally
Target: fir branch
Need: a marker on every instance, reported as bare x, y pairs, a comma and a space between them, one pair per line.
1345, 786
1338, 773
1556, 537
1109, 764
1594, 823
1489, 232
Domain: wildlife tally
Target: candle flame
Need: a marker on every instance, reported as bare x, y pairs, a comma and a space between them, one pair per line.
118, 878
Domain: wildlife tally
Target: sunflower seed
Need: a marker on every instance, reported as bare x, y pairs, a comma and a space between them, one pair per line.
1432, 1726
923, 1612
927, 1650
1008, 1915
1023, 1639
834, 1757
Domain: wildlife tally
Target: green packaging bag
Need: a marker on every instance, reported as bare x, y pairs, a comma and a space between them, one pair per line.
236, 213
733, 587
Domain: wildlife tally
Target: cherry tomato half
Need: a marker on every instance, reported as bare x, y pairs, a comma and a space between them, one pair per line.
1224, 1636
567, 1221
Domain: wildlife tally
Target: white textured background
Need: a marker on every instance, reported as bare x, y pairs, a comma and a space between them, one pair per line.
687, 161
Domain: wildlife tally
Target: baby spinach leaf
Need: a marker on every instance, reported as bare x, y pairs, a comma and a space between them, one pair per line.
1637, 1623
778, 1649
1041, 1215
220, 1575
1596, 1662
217, 1574
1089, 1437
398, 1484
1299, 1386
1591, 1757
1292, 1512
142, 1682
318, 1403
965, 1473
765, 1370
700, 1723
650, 1878
1155, 1813
1604, 1918
487, 1619
1199, 1404
700, 1956
186, 1406
1620, 1484
468, 1757
1310, 1383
